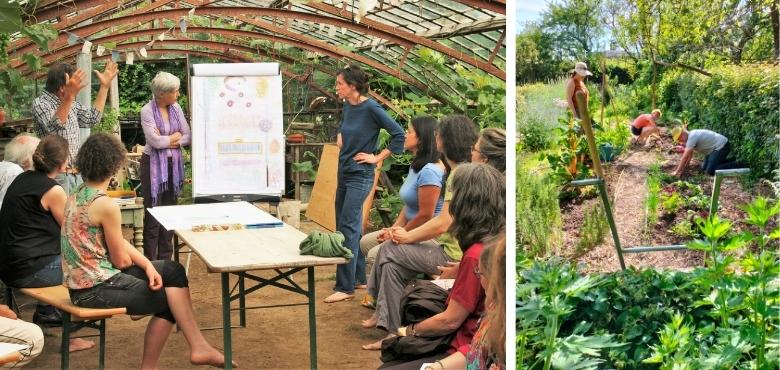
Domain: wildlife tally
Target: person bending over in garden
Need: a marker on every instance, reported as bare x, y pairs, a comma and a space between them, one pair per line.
57, 112
646, 125
32, 215
477, 208
102, 269
17, 159
490, 148
577, 83
422, 249
420, 192
714, 146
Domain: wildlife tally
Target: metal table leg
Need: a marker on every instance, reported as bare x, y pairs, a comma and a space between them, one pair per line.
226, 320
64, 352
312, 320
241, 301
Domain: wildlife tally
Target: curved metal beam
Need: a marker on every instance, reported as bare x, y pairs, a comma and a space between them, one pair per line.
221, 56
392, 34
221, 48
151, 32
319, 47
495, 6
175, 14
419, 40
101, 5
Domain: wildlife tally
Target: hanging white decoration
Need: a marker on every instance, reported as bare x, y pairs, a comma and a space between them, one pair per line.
115, 56
364, 6
183, 25
72, 39
100, 50
87, 47
161, 37
331, 31
143, 53
191, 12
130, 58
343, 30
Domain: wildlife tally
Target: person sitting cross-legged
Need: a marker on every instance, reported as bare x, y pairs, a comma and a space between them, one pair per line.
103, 270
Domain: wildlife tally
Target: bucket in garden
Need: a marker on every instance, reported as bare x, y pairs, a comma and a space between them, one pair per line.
306, 192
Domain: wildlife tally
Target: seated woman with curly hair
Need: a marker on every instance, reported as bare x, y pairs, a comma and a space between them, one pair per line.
477, 208
102, 269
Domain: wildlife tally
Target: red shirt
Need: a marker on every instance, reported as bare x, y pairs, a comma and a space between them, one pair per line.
468, 292
644, 120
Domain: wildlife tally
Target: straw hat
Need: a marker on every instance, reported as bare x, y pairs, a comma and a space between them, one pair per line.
656, 110
582, 69
676, 132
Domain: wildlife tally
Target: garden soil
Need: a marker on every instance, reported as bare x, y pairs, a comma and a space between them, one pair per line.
275, 338
626, 180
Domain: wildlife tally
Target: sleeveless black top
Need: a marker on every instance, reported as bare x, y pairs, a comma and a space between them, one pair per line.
29, 234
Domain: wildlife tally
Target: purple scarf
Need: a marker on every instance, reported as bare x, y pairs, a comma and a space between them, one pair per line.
158, 159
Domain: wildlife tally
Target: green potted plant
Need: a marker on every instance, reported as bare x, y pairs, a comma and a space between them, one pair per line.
308, 170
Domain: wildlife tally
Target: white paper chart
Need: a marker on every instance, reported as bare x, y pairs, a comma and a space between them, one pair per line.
237, 137
184, 217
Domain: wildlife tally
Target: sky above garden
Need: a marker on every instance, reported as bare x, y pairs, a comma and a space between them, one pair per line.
529, 10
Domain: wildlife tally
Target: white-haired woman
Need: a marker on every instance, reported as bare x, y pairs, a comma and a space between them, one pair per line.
162, 166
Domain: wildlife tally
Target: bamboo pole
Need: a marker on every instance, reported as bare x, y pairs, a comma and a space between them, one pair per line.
582, 107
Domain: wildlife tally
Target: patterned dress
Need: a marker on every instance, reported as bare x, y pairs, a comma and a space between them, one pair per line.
85, 261
477, 357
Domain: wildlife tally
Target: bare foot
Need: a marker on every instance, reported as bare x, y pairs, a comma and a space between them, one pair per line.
376, 346
78, 344
211, 357
370, 323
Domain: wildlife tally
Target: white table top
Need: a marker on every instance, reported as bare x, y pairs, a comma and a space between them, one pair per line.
252, 249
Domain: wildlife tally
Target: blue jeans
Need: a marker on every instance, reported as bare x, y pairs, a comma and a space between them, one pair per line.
353, 188
49, 275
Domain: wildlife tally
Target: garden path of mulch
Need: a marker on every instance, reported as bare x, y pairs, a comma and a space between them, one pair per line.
626, 179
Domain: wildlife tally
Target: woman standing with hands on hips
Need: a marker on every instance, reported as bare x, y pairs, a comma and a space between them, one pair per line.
162, 166
362, 118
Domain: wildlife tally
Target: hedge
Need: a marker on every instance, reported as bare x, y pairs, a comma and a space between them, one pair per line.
740, 102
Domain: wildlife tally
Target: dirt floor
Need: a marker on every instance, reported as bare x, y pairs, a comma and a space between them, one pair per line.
275, 338
626, 180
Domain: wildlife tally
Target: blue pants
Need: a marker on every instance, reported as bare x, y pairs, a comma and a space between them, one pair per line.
353, 188
49, 275
719, 160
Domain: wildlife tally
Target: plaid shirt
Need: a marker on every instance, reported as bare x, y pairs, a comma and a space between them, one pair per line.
45, 122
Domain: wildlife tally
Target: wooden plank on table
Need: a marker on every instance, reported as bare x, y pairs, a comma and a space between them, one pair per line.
322, 202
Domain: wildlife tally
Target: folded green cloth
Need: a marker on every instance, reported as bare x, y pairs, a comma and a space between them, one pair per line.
325, 245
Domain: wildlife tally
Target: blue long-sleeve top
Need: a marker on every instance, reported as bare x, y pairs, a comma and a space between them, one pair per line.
360, 125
